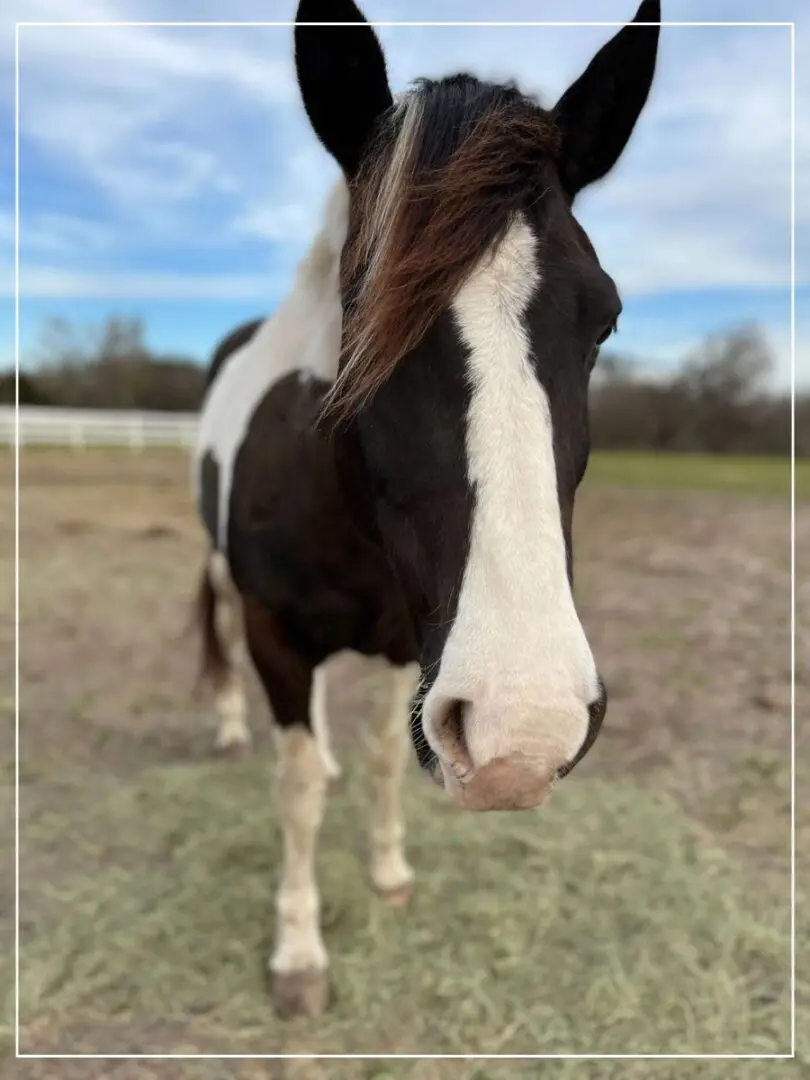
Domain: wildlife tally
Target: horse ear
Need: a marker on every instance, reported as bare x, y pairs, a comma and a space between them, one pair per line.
341, 76
598, 112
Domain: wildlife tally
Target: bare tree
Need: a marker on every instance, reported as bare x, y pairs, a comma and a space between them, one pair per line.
716, 402
110, 366
719, 384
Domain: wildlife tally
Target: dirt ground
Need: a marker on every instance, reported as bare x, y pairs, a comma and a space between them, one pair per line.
685, 597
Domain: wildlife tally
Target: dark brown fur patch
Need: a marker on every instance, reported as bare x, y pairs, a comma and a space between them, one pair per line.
213, 661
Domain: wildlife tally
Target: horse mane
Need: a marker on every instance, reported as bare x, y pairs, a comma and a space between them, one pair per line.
449, 168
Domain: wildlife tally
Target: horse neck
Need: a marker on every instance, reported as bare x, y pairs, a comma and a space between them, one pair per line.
308, 322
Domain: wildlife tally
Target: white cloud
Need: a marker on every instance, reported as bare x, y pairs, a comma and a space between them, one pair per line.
41, 282
155, 120
134, 60
779, 337
63, 235
656, 356
291, 212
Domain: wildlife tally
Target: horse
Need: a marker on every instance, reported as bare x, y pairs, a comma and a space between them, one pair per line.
388, 464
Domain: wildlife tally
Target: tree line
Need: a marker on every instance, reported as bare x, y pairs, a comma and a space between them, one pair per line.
715, 401
104, 367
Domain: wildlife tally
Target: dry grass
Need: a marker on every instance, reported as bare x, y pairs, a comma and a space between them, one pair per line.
644, 910
606, 924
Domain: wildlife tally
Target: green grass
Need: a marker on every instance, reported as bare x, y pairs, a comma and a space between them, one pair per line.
605, 923
638, 469
698, 472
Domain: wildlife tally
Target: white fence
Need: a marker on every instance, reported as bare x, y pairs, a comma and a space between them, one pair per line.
78, 428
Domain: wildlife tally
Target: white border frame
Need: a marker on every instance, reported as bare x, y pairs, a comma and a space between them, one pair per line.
559, 1056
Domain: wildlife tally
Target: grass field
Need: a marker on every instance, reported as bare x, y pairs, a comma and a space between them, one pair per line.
699, 472
644, 910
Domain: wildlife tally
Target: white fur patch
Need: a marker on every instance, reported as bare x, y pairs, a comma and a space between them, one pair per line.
517, 651
231, 703
388, 744
319, 719
303, 334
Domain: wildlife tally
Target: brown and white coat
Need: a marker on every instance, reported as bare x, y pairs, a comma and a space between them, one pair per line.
389, 463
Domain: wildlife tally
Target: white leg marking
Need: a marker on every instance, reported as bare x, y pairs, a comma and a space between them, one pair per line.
388, 745
300, 790
233, 731
319, 719
231, 704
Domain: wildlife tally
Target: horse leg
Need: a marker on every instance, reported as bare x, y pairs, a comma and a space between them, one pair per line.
233, 735
320, 723
388, 745
299, 962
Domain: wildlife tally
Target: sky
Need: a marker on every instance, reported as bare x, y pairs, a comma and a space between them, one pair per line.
170, 173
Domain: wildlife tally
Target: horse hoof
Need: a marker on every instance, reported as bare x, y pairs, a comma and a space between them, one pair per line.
301, 993
233, 751
399, 897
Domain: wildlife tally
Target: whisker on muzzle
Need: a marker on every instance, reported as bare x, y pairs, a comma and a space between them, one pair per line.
425, 754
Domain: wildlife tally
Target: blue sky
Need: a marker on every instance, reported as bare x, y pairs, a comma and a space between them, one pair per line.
170, 172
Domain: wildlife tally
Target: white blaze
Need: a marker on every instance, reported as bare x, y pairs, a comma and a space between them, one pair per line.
516, 652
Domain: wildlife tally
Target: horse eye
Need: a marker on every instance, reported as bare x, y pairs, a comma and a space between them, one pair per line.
606, 334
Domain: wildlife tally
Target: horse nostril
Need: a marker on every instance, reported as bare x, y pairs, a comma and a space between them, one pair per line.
596, 714
449, 727
450, 723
